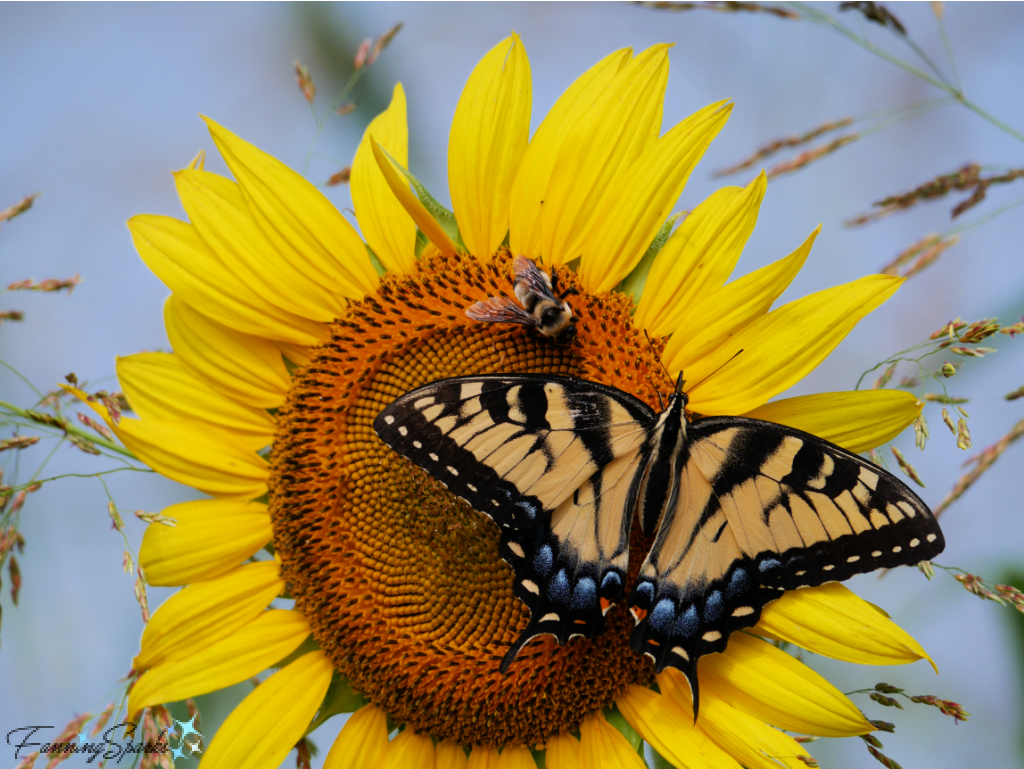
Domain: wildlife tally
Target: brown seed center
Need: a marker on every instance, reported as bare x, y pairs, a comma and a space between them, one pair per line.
401, 582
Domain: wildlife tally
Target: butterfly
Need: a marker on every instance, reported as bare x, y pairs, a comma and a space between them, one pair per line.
740, 509
541, 309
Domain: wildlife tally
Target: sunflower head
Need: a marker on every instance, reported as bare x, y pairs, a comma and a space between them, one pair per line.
288, 342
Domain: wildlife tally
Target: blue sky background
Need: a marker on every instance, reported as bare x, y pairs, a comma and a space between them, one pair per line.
100, 103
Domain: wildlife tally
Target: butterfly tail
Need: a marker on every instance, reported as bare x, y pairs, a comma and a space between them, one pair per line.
513, 652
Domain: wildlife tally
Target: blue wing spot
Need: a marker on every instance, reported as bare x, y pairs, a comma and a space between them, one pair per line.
662, 616
584, 595
713, 606
528, 508
738, 584
558, 590
768, 564
644, 594
687, 623
543, 560
611, 585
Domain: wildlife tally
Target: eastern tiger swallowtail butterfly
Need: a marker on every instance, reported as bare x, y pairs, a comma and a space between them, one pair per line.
740, 509
541, 309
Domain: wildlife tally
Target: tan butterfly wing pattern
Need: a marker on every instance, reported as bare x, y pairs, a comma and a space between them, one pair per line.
761, 509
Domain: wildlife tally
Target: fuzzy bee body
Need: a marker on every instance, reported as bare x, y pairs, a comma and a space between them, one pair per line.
539, 307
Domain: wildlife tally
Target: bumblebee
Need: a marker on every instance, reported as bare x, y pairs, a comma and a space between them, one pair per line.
538, 307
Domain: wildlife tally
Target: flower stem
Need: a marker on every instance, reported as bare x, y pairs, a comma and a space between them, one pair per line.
74, 429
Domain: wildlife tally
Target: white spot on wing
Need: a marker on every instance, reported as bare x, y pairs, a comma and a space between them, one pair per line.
681, 652
711, 636
417, 444
516, 548
932, 537
853, 559
402, 430
551, 617
829, 567
452, 470
743, 611
915, 542
389, 419
433, 456
531, 586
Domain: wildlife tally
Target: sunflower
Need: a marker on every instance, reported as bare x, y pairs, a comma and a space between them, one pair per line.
291, 331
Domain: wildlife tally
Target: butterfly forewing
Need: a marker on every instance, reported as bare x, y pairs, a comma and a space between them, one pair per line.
514, 447
764, 508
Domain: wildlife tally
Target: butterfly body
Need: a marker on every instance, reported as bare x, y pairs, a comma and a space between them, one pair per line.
539, 308
740, 509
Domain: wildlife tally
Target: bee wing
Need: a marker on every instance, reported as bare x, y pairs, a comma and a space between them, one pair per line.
501, 309
534, 278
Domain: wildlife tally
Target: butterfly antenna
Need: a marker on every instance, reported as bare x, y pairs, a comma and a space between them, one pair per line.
653, 352
715, 371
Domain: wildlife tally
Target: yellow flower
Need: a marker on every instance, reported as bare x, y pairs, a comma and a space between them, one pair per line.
286, 337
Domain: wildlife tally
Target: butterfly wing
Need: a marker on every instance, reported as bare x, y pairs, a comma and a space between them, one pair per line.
763, 508
501, 309
554, 461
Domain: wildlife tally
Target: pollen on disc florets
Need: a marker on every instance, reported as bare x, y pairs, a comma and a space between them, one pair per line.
400, 580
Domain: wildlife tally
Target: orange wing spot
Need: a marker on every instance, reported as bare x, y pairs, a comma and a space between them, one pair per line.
580, 621
638, 614
605, 605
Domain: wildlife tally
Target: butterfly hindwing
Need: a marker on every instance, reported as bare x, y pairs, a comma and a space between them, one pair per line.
764, 508
570, 571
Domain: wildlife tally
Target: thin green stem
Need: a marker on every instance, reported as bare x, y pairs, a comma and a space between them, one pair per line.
949, 53
94, 475
22, 377
820, 17
74, 429
321, 123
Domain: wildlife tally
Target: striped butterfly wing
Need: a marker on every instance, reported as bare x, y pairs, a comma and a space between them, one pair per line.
554, 462
764, 508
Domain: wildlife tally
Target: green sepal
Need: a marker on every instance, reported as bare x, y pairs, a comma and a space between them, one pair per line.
340, 698
614, 716
633, 284
421, 242
441, 215
377, 265
660, 762
540, 757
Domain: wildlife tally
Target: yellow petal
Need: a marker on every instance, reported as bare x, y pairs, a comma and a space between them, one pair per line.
562, 752
206, 612
526, 205
268, 639
633, 210
197, 455
192, 453
158, 386
764, 682
241, 367
296, 354
669, 729
782, 347
747, 739
362, 741
601, 145
706, 325
699, 257
409, 751
182, 260
859, 420
602, 746
832, 621
262, 729
303, 225
448, 755
217, 209
212, 537
424, 219
489, 134
387, 227
516, 757
483, 757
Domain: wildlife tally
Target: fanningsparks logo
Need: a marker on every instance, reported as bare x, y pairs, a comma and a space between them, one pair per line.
187, 735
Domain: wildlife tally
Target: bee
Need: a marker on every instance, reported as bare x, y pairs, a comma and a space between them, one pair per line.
541, 308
